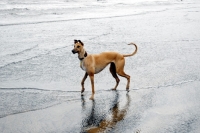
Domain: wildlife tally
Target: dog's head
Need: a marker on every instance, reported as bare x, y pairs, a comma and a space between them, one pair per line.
78, 46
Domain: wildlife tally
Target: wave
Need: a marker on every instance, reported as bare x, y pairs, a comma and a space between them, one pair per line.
77, 19
30, 58
34, 13
23, 51
13, 56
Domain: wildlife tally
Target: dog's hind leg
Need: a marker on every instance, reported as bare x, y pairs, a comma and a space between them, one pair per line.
123, 74
82, 82
114, 74
120, 71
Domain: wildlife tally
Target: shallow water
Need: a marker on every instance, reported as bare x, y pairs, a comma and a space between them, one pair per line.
37, 54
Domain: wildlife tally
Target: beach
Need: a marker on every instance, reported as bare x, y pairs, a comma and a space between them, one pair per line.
40, 78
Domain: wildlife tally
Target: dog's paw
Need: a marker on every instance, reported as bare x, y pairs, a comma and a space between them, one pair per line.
113, 89
91, 98
82, 90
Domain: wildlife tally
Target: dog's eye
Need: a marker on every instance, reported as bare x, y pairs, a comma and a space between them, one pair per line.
78, 46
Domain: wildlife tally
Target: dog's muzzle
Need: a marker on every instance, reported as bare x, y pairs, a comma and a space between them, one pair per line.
73, 51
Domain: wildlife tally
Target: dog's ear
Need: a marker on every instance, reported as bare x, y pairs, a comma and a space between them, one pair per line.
75, 41
81, 42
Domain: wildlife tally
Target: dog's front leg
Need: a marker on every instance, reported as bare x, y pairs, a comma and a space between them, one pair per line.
92, 83
82, 82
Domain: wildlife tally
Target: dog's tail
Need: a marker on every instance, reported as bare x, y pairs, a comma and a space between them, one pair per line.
127, 55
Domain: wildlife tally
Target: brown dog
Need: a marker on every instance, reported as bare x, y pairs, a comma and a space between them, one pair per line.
95, 63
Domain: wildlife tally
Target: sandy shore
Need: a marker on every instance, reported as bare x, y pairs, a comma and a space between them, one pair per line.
166, 109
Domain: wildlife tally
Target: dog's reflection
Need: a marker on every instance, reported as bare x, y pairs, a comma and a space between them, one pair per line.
96, 122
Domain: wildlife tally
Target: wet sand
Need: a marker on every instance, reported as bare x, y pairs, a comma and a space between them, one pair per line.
166, 109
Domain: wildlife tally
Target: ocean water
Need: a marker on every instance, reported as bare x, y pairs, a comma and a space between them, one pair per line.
15, 12
36, 38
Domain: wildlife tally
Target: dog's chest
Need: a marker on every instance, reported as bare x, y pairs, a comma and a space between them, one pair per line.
82, 65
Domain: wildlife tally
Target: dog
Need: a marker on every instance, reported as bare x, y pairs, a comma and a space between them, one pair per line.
95, 63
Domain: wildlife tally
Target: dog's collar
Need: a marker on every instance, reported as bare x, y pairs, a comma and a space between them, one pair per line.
85, 55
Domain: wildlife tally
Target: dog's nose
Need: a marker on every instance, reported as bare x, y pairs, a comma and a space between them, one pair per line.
73, 51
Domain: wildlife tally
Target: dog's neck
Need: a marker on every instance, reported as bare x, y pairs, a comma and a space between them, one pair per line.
82, 55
